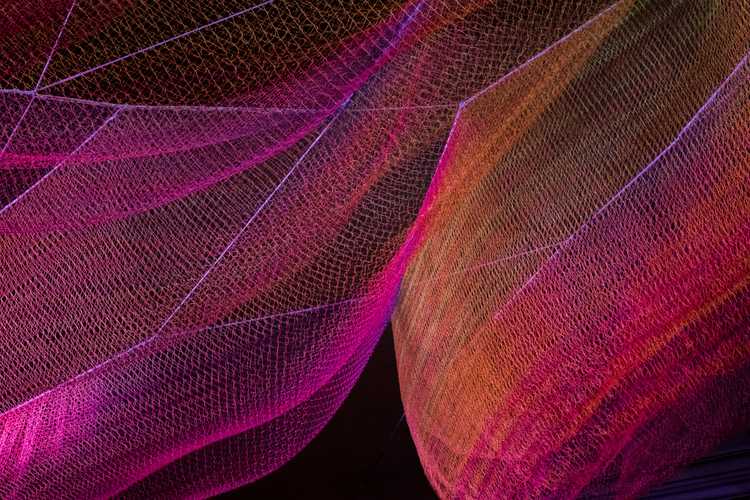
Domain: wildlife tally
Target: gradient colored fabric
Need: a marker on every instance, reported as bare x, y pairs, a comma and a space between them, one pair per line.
210, 210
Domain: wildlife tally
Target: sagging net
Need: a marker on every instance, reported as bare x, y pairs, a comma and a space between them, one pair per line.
576, 323
208, 209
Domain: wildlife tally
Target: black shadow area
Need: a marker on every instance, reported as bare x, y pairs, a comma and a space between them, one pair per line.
365, 452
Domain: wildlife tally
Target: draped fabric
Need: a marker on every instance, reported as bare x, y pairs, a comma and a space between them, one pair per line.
210, 210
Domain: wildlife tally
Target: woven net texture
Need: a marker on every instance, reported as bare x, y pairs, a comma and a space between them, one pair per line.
210, 210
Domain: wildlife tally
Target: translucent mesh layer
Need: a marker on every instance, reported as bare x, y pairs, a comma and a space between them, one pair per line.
209, 211
576, 320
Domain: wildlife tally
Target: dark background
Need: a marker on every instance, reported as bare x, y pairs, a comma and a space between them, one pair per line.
366, 452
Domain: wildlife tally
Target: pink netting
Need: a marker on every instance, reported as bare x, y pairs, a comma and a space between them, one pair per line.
207, 211
576, 321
